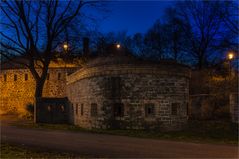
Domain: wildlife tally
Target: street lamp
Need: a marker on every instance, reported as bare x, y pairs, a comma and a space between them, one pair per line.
65, 47
230, 56
118, 46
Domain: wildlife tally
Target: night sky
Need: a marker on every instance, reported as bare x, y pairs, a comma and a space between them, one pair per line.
132, 16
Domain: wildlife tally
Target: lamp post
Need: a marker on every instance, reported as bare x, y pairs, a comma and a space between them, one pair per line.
230, 57
66, 48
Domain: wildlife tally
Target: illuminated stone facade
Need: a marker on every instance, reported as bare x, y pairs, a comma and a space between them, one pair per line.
121, 92
17, 86
113, 91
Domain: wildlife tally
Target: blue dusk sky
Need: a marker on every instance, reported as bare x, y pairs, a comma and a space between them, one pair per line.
132, 16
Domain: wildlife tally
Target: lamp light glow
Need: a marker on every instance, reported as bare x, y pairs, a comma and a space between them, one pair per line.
230, 56
118, 46
65, 46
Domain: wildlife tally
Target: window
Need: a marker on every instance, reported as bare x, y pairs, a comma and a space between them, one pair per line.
174, 108
82, 110
26, 77
118, 110
47, 76
76, 109
5, 77
149, 110
93, 109
15, 77
59, 76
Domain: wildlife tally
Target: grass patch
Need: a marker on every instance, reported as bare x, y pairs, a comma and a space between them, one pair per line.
196, 131
13, 151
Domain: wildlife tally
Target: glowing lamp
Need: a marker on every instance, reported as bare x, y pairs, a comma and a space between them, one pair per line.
65, 46
230, 56
118, 46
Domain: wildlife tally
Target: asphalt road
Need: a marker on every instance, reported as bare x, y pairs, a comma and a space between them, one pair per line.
99, 145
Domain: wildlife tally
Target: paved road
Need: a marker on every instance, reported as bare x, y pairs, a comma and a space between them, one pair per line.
99, 145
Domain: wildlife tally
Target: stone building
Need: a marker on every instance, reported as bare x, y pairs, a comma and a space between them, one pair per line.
234, 107
120, 91
115, 90
17, 85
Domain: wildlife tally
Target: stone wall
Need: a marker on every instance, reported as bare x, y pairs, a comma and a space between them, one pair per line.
140, 86
16, 94
234, 107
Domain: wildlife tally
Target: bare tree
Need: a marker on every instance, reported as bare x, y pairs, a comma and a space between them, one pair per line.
155, 41
205, 29
34, 29
104, 40
230, 14
174, 32
138, 45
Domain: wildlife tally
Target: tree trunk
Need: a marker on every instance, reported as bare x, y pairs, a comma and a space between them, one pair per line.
38, 94
39, 88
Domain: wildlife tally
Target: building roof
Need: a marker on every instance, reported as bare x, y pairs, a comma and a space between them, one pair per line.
15, 63
117, 58
18, 63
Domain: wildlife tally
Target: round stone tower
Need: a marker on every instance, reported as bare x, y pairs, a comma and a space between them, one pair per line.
121, 91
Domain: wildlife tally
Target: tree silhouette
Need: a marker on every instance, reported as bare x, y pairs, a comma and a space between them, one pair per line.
33, 30
155, 41
205, 29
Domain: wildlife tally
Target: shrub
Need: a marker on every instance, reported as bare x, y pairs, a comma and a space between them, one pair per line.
30, 110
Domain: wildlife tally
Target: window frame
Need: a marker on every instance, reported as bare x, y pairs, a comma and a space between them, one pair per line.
15, 77
93, 109
147, 107
26, 76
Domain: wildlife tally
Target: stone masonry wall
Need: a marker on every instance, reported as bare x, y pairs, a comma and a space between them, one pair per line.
234, 107
139, 87
16, 94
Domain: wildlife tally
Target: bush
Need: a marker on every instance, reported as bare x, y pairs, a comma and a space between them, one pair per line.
30, 110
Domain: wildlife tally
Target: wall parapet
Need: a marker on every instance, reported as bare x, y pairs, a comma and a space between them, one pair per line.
111, 70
